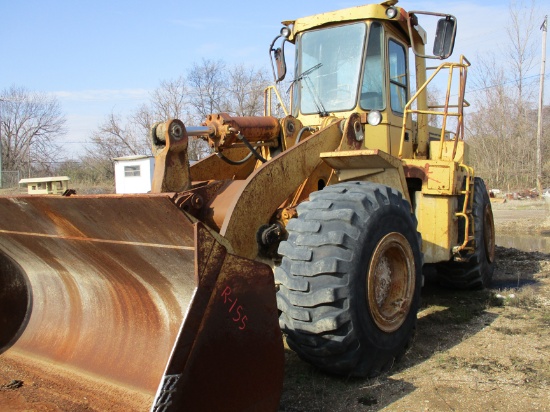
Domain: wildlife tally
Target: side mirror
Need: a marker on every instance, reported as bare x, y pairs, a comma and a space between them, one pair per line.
444, 27
445, 37
279, 56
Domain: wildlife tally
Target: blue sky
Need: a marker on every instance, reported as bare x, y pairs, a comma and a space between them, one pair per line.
103, 56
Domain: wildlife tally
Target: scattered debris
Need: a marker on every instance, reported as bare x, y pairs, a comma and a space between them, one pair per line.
14, 384
523, 194
510, 296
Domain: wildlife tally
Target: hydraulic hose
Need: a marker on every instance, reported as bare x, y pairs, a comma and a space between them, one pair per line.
234, 162
301, 132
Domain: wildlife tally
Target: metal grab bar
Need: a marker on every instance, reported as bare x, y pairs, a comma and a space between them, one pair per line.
462, 66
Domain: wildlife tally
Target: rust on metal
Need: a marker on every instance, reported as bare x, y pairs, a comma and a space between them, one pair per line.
391, 282
287, 213
232, 321
101, 285
254, 129
291, 128
170, 143
107, 280
214, 168
417, 171
208, 201
351, 133
270, 185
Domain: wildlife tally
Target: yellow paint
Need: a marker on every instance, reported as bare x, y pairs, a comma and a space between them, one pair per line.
461, 154
437, 224
389, 153
368, 165
440, 177
369, 11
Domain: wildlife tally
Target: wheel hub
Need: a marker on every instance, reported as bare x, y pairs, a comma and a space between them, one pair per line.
391, 282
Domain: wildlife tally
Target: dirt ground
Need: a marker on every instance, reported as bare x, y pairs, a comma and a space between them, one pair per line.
474, 350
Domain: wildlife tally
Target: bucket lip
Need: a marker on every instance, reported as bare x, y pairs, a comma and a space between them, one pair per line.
17, 274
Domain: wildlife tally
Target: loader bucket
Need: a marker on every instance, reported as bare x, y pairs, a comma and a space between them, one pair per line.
122, 303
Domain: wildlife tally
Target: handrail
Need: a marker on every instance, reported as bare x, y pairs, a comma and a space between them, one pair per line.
268, 95
462, 66
467, 206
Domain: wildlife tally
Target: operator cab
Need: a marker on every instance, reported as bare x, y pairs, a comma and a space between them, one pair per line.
342, 68
356, 61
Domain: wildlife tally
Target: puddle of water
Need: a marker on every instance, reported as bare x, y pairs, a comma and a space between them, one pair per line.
527, 243
510, 283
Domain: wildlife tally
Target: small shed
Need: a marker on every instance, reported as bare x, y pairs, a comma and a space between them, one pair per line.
134, 174
55, 185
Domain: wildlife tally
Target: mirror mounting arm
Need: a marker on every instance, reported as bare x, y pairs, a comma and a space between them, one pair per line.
279, 55
444, 38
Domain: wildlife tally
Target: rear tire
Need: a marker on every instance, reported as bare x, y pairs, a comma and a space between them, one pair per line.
350, 279
477, 272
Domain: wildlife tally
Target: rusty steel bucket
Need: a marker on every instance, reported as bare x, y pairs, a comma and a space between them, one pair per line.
124, 303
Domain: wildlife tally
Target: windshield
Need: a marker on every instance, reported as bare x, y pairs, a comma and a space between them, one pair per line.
335, 55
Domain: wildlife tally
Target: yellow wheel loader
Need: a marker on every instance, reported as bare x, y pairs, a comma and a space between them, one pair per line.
317, 223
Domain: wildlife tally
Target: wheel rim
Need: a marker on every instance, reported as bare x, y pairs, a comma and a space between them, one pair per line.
489, 233
391, 282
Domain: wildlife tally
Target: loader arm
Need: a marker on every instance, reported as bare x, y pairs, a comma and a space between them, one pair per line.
270, 185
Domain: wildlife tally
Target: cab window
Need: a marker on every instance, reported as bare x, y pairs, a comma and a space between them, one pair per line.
372, 89
398, 76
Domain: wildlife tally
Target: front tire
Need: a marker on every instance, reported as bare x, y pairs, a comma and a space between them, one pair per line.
350, 279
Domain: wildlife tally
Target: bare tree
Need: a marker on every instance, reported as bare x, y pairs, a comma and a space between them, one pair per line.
208, 92
521, 51
171, 101
112, 139
435, 97
501, 132
29, 123
245, 90
209, 87
489, 128
213, 89
143, 118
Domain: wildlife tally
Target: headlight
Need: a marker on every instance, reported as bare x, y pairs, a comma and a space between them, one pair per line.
285, 32
391, 12
374, 118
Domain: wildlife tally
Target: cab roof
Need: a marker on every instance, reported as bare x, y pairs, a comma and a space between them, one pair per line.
358, 13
